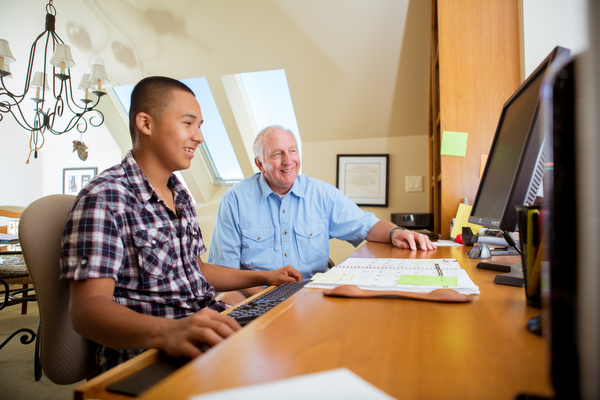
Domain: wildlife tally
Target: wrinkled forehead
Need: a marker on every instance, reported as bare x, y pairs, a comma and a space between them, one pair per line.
279, 139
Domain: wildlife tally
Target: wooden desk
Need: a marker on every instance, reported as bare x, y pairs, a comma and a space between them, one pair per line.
409, 349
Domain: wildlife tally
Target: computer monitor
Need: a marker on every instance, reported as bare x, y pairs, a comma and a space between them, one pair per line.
514, 171
560, 100
513, 174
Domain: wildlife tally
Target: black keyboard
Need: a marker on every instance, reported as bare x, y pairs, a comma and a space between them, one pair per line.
257, 307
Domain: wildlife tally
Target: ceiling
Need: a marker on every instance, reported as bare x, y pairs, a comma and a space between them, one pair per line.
356, 68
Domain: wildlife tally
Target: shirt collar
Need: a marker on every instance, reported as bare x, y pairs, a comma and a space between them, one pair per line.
142, 188
297, 187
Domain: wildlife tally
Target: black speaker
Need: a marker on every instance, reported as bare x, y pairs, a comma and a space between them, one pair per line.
413, 220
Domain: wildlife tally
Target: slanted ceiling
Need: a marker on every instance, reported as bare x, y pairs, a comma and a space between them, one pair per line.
342, 57
356, 68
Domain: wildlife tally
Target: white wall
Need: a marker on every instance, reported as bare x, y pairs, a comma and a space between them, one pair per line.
549, 23
408, 157
25, 182
21, 183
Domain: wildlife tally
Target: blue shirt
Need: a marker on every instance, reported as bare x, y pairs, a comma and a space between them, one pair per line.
257, 229
120, 228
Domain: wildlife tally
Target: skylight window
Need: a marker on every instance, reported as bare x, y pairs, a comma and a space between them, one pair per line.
217, 144
266, 100
270, 102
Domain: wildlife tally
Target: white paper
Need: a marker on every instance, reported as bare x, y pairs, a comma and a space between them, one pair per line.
384, 273
337, 384
446, 243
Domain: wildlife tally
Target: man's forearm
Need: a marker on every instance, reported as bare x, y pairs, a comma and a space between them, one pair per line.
114, 325
226, 279
380, 232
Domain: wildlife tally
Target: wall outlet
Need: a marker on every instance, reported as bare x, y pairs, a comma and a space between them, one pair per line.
414, 183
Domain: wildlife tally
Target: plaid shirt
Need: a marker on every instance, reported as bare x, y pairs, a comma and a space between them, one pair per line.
119, 228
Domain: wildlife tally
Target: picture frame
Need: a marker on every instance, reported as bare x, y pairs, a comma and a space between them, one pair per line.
364, 178
74, 179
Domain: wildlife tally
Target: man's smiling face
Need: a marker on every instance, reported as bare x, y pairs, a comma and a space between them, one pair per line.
281, 160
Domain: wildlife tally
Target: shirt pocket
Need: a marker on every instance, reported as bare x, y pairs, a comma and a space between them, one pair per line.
258, 246
155, 253
313, 242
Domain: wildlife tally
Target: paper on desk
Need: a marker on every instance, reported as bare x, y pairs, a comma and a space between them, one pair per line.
336, 384
446, 243
411, 275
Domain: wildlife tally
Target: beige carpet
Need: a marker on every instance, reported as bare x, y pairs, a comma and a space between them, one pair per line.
16, 361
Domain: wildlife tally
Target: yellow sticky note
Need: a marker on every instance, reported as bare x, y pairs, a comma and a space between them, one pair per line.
324, 277
462, 219
454, 144
428, 280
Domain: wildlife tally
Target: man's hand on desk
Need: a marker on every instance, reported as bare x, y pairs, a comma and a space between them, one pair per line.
406, 239
276, 277
181, 337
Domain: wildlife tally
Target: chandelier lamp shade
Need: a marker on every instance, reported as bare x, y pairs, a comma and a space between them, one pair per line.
47, 102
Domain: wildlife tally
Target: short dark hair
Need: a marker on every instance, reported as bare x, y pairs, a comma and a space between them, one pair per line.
151, 95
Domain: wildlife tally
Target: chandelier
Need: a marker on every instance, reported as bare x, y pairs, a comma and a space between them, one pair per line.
51, 107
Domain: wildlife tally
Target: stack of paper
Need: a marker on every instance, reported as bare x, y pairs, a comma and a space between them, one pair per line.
411, 275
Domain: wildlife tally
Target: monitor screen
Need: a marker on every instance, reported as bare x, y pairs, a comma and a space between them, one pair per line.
514, 170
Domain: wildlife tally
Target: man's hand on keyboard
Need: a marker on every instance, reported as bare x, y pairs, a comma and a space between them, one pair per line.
283, 275
180, 337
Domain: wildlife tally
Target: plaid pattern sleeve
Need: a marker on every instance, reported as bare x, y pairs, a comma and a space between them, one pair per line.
120, 229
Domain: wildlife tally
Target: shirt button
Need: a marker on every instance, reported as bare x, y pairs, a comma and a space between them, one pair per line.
285, 232
286, 254
283, 211
310, 234
258, 238
154, 242
83, 262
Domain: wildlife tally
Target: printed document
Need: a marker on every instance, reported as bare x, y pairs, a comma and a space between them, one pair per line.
411, 275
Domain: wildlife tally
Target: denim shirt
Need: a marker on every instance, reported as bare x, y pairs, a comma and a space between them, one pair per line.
259, 230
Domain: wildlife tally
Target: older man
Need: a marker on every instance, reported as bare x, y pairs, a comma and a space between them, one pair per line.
277, 217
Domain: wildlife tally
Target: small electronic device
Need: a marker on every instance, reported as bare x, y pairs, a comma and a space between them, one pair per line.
413, 220
480, 250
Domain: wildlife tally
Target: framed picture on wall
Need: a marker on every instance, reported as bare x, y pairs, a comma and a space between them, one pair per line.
364, 178
76, 178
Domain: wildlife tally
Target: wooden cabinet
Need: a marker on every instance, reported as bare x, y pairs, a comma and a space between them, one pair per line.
474, 70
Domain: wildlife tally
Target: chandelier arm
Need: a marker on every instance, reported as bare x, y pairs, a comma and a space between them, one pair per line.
99, 116
45, 70
73, 104
83, 125
72, 123
25, 125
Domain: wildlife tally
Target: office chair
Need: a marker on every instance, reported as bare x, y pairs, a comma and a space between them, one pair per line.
66, 357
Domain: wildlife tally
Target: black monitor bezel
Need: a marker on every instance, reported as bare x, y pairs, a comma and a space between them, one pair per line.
528, 161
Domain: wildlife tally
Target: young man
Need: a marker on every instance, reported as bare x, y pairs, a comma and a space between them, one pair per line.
132, 243
277, 217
